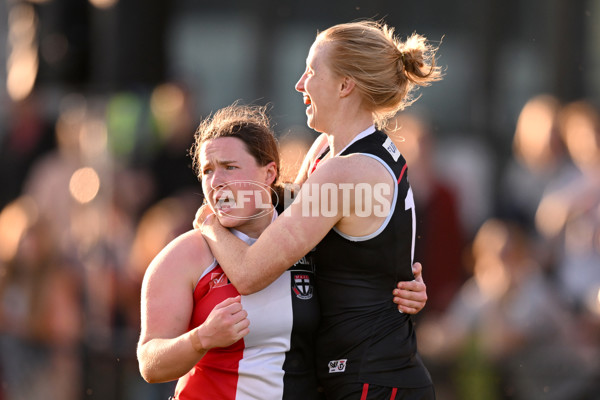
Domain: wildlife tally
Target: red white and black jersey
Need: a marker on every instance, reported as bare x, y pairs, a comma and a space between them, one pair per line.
276, 359
363, 337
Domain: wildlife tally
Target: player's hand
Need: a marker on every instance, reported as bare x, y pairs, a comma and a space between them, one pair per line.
411, 296
226, 324
201, 215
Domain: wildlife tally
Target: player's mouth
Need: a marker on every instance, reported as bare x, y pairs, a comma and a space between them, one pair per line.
224, 201
306, 99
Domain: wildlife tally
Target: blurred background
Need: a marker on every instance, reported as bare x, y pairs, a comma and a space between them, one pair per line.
99, 101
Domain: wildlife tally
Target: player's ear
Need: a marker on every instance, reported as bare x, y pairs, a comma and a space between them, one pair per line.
271, 173
347, 86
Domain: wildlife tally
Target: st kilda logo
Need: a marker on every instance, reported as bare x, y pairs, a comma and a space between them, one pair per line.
303, 287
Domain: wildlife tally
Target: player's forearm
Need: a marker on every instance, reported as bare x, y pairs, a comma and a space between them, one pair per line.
247, 270
164, 360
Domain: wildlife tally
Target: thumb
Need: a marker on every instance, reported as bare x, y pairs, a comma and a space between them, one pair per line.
201, 215
417, 270
228, 301
198, 218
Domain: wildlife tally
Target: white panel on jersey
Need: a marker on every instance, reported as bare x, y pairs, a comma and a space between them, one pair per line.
271, 319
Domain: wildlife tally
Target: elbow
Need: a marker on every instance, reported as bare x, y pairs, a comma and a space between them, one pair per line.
148, 377
151, 375
148, 368
147, 374
246, 284
252, 279
143, 366
245, 289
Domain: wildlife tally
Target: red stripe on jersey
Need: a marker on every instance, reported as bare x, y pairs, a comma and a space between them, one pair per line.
394, 391
365, 391
402, 173
216, 375
315, 165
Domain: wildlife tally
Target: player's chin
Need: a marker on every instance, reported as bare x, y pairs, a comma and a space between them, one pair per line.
230, 220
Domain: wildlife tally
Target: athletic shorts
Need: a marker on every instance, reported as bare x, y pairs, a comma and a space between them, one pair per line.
366, 391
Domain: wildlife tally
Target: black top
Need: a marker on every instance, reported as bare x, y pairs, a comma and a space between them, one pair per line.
363, 335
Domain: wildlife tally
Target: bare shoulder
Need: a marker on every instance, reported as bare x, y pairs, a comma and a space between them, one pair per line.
353, 168
186, 257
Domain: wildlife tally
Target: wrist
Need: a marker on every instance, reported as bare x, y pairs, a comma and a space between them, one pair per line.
196, 341
208, 222
210, 227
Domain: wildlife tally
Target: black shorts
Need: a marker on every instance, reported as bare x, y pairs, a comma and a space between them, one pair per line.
366, 391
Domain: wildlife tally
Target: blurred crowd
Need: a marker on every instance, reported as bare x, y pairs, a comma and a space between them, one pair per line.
514, 300
89, 196
92, 210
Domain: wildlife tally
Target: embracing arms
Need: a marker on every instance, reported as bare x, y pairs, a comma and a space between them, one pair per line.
410, 296
291, 236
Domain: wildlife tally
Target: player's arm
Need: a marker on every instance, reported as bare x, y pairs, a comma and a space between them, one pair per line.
291, 236
318, 146
166, 349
